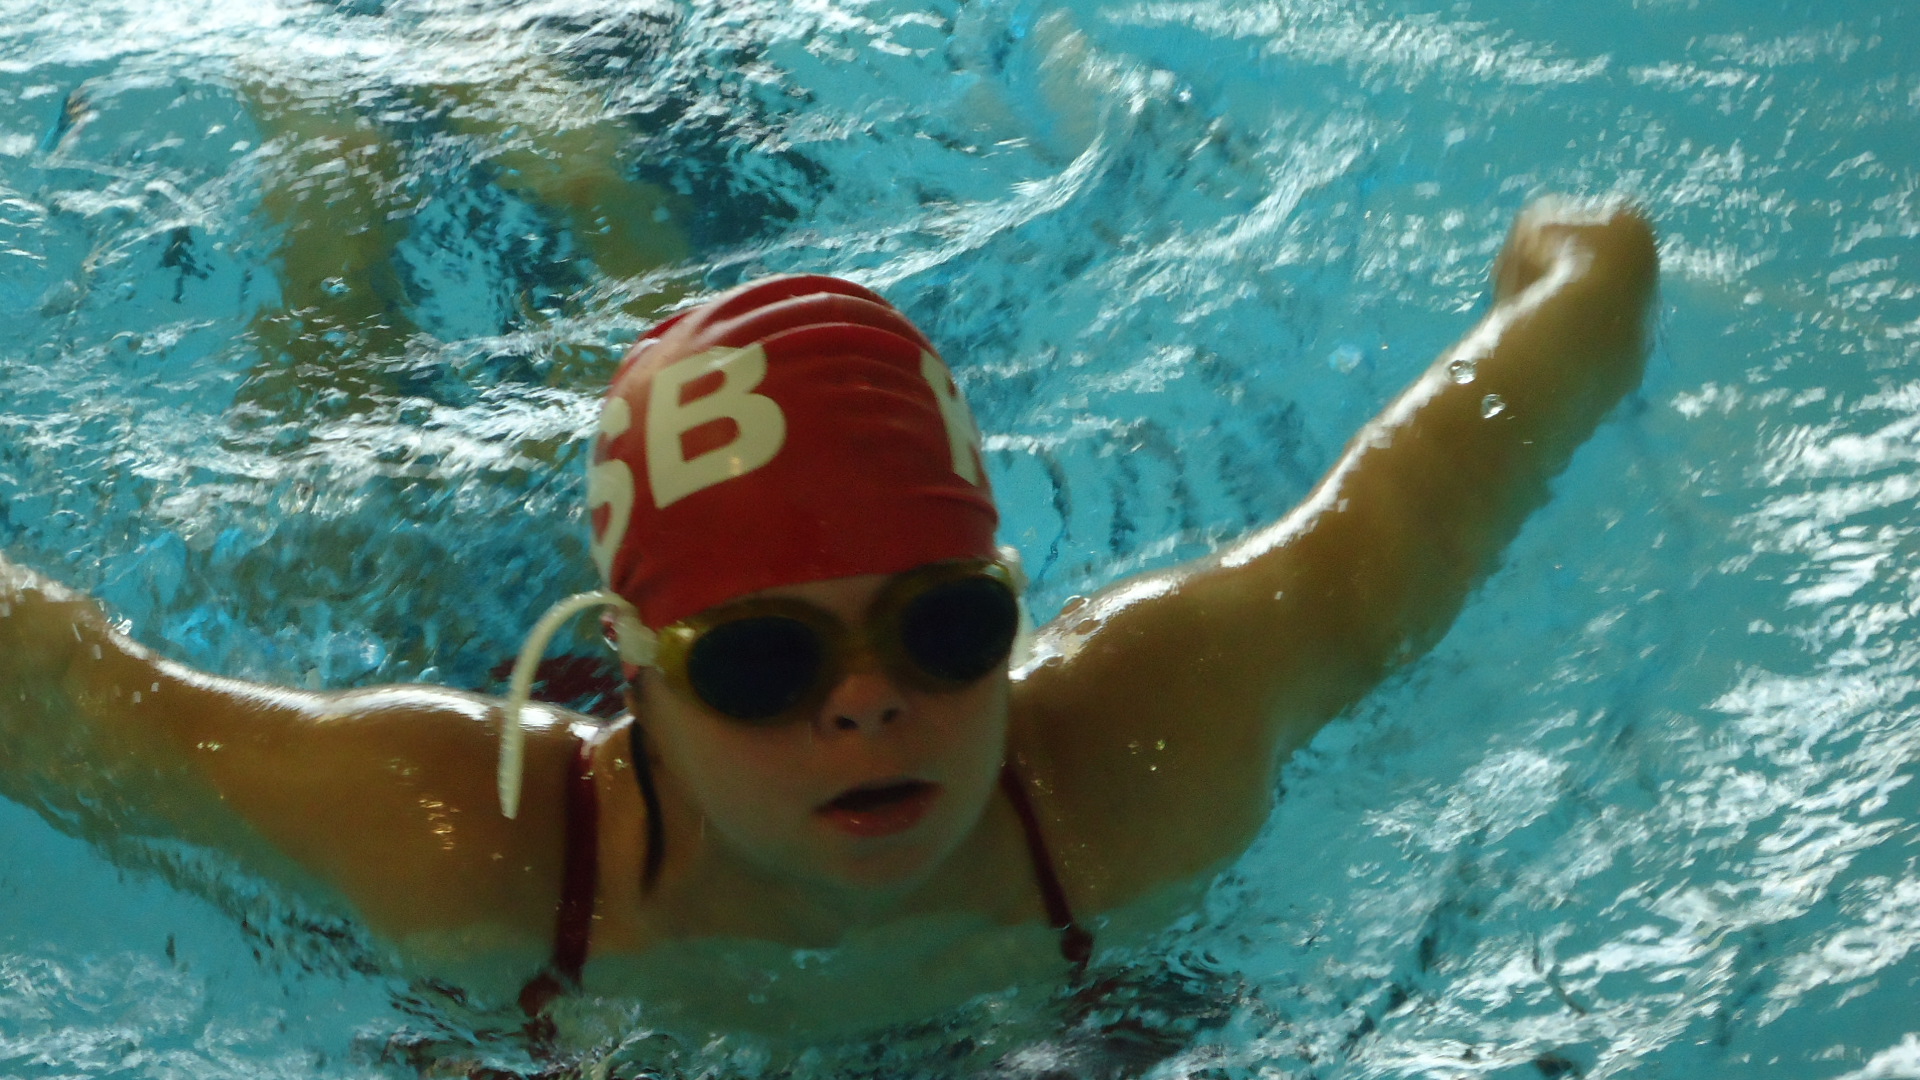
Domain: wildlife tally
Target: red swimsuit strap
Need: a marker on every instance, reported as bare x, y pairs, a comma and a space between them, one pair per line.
580, 882
1076, 944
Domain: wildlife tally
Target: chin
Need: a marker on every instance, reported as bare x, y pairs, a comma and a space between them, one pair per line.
892, 864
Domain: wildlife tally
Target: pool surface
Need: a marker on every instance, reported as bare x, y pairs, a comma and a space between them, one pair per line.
1648, 810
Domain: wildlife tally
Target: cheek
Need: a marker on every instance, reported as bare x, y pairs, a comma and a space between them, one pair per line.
745, 773
722, 764
726, 767
975, 731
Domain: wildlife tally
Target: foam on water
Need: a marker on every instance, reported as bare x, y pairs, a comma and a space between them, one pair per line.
1646, 811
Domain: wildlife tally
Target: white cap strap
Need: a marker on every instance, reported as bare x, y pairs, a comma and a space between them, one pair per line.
1023, 638
637, 646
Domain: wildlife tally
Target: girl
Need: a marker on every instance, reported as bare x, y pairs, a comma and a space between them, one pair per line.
826, 750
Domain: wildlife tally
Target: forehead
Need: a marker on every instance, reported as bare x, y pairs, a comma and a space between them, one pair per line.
850, 596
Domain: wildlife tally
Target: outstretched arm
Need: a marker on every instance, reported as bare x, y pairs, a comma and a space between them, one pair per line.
380, 798
1173, 698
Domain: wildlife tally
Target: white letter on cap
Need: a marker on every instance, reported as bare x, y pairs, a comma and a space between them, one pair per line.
763, 428
962, 437
610, 484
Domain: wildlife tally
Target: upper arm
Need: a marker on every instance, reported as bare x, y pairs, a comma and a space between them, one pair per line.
1163, 708
381, 799
387, 798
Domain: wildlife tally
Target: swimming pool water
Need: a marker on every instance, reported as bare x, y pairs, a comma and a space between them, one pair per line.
1647, 810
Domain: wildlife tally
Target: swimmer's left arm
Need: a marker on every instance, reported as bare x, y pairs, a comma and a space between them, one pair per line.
1166, 721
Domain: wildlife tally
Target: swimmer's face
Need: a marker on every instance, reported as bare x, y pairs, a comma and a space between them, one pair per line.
872, 790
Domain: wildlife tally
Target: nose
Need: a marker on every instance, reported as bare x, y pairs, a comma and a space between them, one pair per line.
865, 700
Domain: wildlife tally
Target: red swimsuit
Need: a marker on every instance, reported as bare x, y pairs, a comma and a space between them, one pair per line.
580, 882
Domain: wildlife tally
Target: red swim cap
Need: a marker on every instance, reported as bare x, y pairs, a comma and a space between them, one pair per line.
791, 430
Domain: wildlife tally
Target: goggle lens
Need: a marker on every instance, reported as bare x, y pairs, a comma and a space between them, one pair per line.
765, 666
756, 668
959, 631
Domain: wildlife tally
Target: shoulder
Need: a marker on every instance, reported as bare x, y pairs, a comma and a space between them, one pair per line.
388, 796
1150, 753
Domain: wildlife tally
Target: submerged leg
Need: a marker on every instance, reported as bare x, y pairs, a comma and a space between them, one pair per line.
339, 196
571, 167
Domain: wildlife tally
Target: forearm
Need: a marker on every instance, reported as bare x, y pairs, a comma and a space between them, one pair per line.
1428, 494
1164, 704
97, 732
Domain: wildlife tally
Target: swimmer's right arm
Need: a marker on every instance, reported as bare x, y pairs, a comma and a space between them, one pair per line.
382, 798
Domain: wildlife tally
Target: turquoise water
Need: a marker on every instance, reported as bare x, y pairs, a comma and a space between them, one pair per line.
1647, 811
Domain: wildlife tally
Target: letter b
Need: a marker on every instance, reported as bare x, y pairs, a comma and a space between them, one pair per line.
762, 426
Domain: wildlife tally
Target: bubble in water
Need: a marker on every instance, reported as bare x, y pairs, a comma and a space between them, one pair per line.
1491, 406
1460, 370
1344, 359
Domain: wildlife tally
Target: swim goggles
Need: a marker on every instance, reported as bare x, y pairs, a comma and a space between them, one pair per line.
769, 661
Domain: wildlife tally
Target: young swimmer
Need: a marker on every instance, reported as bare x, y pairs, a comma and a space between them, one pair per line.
827, 751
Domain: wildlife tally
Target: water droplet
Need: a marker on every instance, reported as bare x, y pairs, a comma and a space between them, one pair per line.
1460, 370
1491, 406
335, 286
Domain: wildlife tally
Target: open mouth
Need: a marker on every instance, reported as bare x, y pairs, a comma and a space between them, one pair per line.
862, 799
880, 809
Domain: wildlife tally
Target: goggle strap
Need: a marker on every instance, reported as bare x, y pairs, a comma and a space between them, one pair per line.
637, 646
1010, 558
1023, 638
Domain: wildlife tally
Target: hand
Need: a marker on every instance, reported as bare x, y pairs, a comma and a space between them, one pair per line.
1614, 239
